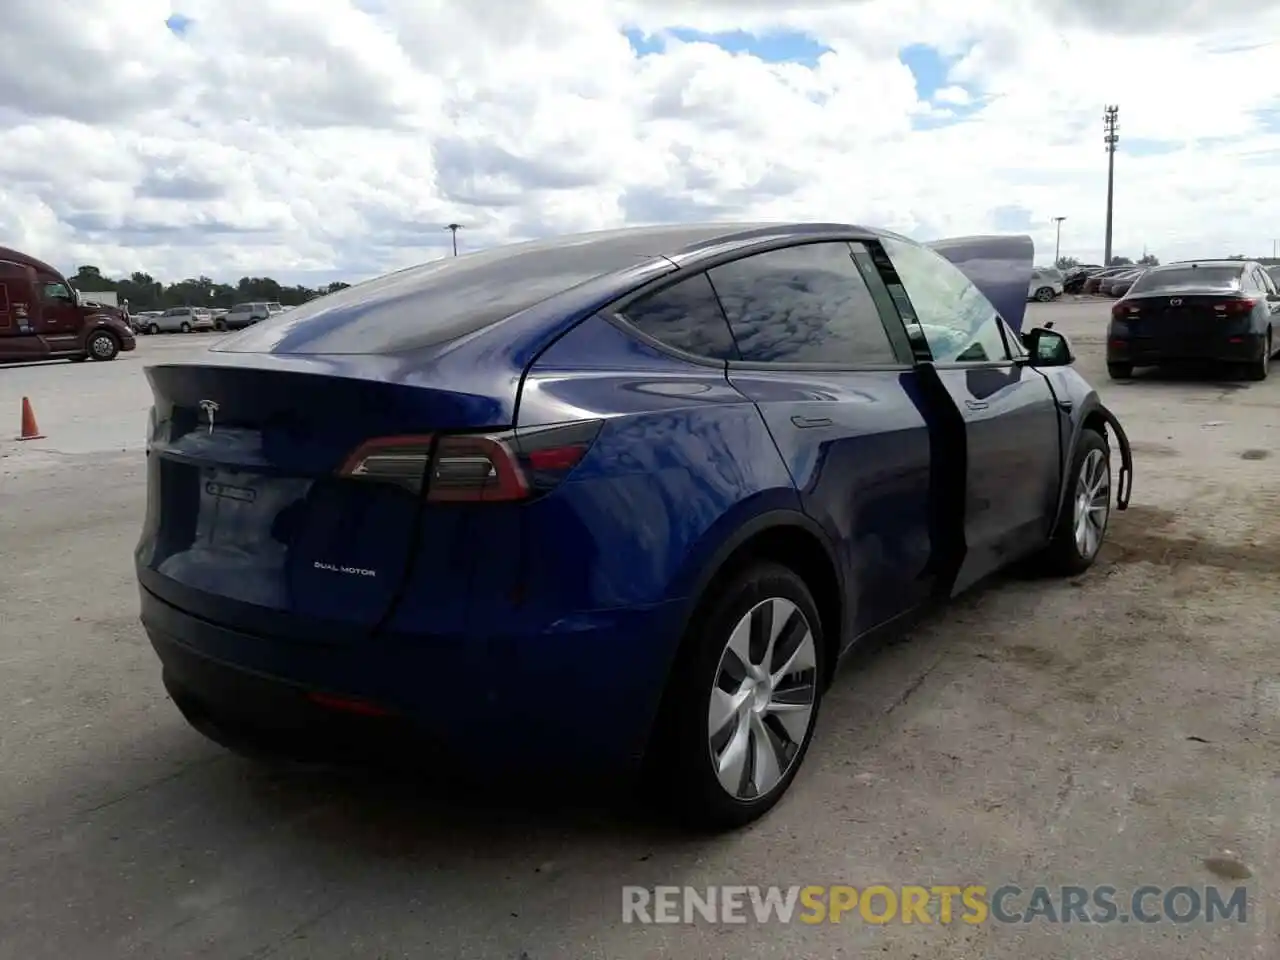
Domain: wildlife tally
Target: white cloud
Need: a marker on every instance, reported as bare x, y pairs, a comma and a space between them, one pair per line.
335, 138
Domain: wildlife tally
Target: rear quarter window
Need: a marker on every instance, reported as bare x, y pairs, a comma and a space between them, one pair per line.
687, 317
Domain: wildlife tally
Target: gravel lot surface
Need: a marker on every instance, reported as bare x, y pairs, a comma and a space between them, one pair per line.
1120, 729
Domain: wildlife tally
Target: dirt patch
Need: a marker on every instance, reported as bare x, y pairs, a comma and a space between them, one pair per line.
1143, 534
1145, 449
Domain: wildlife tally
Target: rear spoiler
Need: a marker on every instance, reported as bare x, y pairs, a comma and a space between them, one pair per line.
999, 266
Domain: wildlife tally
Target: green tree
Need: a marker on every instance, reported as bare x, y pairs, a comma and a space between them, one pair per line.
1149, 260
1120, 262
1066, 263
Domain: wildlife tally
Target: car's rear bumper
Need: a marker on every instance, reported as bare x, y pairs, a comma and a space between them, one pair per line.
577, 699
1140, 351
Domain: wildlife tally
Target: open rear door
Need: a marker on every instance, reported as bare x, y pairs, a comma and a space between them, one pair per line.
999, 266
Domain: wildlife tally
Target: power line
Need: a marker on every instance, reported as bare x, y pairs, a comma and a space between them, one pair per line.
1111, 126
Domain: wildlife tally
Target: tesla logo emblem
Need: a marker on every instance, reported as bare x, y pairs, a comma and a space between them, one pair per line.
210, 411
1175, 302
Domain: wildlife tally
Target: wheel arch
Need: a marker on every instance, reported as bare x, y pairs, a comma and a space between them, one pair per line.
1093, 415
793, 539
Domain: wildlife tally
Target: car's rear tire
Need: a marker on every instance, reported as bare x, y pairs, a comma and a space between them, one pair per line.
742, 702
1120, 371
186, 327
102, 345
220, 327
1260, 368
1044, 294
154, 328
1086, 512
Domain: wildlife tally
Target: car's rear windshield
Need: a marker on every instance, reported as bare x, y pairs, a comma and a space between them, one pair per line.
1213, 277
447, 298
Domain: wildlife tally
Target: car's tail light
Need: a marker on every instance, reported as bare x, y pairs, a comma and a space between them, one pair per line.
1123, 311
1233, 308
475, 467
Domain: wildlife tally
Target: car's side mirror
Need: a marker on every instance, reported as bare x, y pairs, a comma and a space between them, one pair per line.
1048, 348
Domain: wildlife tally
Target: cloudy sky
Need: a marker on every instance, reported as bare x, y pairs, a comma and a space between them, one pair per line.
333, 139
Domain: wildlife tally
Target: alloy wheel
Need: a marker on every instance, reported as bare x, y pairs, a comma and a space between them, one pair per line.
1092, 503
762, 699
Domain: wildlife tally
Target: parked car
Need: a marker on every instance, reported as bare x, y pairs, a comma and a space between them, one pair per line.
1117, 286
42, 317
1094, 283
1274, 273
1221, 310
244, 314
1046, 284
181, 320
610, 502
141, 322
1073, 278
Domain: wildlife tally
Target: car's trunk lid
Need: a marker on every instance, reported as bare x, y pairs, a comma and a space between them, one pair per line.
248, 524
1170, 314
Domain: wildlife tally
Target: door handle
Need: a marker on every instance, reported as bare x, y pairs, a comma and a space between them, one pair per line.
976, 404
803, 422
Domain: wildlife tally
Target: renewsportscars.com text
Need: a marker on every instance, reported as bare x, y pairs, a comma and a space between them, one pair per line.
935, 904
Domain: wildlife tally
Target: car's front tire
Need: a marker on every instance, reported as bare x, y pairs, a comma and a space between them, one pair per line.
743, 700
1044, 294
1086, 512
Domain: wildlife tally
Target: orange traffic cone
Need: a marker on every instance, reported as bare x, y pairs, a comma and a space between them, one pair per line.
29, 429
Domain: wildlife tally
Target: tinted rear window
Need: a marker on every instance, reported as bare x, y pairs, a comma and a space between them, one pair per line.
1214, 277
451, 297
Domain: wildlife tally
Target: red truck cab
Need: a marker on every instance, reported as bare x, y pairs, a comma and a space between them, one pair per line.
43, 318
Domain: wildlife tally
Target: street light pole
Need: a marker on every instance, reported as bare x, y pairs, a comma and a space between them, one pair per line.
1057, 244
453, 228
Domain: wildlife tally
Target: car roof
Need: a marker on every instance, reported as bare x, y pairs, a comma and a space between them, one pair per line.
560, 275
1220, 262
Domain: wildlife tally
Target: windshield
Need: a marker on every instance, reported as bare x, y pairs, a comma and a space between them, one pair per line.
1213, 278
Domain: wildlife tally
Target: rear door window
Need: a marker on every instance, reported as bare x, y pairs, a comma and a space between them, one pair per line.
805, 304
686, 317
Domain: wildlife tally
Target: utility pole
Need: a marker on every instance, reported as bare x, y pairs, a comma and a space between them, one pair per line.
453, 228
1111, 124
1057, 244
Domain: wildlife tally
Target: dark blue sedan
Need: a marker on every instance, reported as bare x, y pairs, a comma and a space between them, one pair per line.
614, 503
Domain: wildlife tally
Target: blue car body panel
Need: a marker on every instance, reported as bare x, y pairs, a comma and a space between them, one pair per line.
541, 632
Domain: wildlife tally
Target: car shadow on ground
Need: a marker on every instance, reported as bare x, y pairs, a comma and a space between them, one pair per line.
1190, 375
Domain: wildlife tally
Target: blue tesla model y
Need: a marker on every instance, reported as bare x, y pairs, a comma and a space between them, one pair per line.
613, 503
